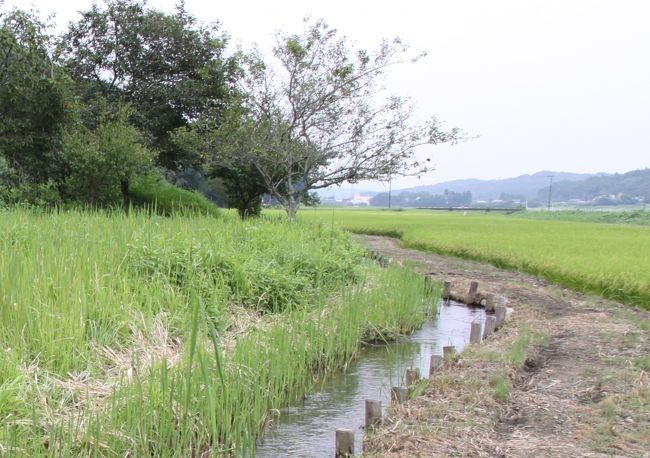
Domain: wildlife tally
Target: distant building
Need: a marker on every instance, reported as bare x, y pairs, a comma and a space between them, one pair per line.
359, 200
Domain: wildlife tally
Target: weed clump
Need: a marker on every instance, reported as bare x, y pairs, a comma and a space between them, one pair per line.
283, 272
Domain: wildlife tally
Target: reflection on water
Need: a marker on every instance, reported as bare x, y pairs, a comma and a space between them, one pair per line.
307, 430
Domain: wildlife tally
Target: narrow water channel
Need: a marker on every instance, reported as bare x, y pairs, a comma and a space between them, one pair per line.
307, 429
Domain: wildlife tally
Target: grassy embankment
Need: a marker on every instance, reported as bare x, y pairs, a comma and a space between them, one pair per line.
608, 260
141, 335
154, 193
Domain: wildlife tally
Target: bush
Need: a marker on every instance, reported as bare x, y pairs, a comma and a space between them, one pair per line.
262, 265
101, 161
14, 191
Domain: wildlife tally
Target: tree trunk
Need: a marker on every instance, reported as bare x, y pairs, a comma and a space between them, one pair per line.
291, 205
292, 209
124, 187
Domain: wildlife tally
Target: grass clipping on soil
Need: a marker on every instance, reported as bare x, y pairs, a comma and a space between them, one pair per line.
537, 387
458, 403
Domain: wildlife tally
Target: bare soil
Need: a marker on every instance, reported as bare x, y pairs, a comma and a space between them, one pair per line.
581, 390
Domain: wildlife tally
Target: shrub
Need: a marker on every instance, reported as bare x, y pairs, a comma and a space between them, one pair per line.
101, 161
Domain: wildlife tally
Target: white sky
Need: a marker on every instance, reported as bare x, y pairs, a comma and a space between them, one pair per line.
548, 85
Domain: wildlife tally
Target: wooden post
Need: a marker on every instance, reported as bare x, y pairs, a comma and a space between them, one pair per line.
471, 294
490, 302
500, 315
446, 290
412, 376
475, 333
448, 352
344, 442
373, 413
436, 362
399, 394
490, 325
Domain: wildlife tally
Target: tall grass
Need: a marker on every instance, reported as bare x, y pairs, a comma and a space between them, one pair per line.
609, 260
147, 336
220, 401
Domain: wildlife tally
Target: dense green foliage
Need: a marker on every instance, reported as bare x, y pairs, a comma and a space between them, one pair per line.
604, 259
86, 113
168, 67
32, 97
133, 334
102, 160
639, 217
242, 183
324, 121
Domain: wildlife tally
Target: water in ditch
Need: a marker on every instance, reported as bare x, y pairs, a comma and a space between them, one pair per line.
307, 429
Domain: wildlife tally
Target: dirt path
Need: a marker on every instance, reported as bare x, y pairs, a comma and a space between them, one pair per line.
580, 388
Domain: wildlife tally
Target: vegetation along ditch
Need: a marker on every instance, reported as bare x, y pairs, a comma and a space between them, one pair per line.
307, 427
144, 335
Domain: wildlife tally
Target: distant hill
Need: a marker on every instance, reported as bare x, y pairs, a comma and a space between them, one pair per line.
525, 186
618, 188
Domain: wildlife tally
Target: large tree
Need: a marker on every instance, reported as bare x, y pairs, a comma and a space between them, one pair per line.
224, 151
169, 68
317, 117
32, 98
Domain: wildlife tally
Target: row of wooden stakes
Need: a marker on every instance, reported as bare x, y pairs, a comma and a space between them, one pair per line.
399, 394
472, 297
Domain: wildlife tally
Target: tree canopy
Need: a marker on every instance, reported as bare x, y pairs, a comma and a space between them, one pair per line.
32, 98
317, 116
127, 87
168, 67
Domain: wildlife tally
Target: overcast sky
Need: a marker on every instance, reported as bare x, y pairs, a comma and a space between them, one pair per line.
548, 85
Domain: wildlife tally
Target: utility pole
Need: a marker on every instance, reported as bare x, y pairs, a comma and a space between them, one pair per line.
390, 183
550, 191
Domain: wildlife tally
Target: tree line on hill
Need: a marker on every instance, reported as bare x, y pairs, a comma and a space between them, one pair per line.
628, 188
127, 91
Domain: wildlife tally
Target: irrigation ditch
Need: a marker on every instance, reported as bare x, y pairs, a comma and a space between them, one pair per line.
568, 375
332, 420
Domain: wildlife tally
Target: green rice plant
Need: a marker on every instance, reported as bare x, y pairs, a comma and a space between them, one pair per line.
638, 217
594, 258
218, 401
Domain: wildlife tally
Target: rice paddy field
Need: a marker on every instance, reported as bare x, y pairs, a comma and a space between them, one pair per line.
140, 335
612, 260
637, 217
